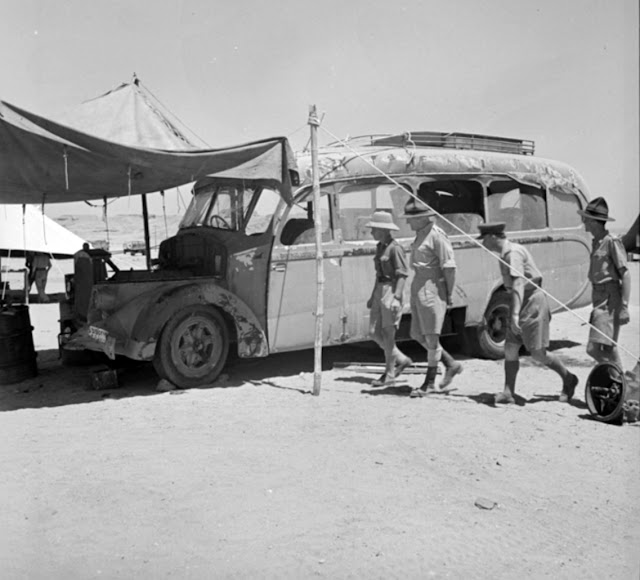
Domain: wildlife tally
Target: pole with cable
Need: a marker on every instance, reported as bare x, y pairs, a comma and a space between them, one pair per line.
317, 222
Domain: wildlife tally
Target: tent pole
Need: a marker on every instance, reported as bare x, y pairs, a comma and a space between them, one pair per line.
317, 222
145, 216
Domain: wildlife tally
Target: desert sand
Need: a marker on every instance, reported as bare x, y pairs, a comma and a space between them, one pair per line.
257, 478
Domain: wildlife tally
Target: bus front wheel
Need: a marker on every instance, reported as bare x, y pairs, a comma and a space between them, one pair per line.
193, 347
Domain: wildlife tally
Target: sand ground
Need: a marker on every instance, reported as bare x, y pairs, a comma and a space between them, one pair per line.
260, 479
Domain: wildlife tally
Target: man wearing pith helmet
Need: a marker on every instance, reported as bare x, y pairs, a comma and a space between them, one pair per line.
386, 297
432, 288
611, 281
529, 314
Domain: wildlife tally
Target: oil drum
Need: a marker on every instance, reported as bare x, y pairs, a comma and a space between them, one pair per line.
17, 355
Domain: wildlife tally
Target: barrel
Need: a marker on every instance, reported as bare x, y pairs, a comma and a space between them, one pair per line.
17, 355
606, 392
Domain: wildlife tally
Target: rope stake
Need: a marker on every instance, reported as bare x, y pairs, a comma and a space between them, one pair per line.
66, 167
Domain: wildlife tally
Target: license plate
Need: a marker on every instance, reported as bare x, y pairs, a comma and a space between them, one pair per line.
98, 334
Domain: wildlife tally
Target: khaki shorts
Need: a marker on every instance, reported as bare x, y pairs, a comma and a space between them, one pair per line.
535, 316
382, 316
607, 302
428, 307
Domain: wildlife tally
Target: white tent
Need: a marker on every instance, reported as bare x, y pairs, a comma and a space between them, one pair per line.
34, 232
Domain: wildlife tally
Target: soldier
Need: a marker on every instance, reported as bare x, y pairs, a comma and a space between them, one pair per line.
386, 298
529, 315
431, 291
609, 275
39, 265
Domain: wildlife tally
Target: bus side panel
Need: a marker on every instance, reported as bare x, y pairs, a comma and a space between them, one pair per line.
358, 275
477, 276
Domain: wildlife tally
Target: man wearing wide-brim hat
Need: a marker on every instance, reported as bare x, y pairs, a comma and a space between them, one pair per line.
611, 281
432, 288
387, 296
529, 313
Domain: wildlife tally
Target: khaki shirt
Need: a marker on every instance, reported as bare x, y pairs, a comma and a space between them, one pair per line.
431, 250
608, 260
521, 265
390, 261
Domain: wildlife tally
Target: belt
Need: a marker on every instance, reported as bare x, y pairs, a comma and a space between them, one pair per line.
383, 279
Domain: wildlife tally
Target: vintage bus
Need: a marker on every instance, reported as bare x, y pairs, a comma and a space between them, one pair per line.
241, 271
468, 179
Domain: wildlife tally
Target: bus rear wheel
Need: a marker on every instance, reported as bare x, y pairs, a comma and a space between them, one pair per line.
193, 347
487, 339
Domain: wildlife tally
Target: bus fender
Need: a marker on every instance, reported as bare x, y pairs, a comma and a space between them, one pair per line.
158, 309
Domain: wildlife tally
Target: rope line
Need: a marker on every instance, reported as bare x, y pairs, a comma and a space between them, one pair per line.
167, 110
475, 241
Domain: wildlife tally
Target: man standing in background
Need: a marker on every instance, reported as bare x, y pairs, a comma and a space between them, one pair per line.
611, 281
39, 264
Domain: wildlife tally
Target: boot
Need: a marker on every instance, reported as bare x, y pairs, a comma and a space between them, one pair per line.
506, 397
384, 381
429, 384
568, 388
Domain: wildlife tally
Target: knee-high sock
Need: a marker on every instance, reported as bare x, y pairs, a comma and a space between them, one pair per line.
511, 368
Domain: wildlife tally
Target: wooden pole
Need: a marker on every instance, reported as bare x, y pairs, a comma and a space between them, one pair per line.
147, 244
317, 222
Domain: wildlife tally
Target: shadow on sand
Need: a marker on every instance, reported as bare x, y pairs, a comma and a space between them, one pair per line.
489, 399
58, 385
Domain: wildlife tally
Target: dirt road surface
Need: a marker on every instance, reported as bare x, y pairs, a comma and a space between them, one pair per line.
259, 479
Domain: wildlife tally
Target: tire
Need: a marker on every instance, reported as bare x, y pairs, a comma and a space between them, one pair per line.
193, 347
487, 340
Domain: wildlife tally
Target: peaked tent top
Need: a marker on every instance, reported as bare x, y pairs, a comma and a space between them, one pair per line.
127, 115
42, 161
38, 233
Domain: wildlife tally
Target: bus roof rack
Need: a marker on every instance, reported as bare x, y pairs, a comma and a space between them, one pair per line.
458, 141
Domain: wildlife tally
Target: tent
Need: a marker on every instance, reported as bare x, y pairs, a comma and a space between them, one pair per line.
34, 232
129, 115
42, 161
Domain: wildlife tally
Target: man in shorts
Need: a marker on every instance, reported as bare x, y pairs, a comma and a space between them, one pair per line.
609, 275
386, 297
529, 314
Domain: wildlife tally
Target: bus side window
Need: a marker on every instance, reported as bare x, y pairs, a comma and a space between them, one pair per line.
521, 207
458, 201
359, 201
563, 210
300, 227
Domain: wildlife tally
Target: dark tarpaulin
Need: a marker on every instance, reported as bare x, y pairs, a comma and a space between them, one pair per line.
44, 162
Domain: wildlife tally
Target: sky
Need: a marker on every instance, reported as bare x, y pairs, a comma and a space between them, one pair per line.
563, 73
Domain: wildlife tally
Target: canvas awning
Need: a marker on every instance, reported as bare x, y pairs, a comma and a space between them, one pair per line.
34, 232
42, 161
